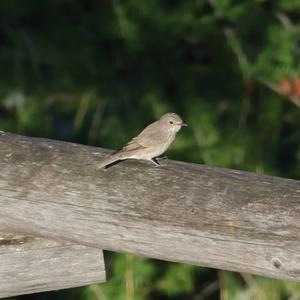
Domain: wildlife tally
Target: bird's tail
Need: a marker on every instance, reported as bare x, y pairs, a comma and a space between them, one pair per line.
109, 160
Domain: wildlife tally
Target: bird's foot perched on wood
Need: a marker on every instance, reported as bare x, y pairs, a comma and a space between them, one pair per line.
155, 161
159, 161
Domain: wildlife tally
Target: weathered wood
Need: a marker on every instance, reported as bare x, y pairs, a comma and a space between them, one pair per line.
30, 265
181, 212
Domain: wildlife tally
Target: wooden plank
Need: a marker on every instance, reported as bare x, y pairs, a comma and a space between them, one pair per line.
181, 212
30, 265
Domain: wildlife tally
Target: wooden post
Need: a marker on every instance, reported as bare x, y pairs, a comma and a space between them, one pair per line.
182, 212
30, 265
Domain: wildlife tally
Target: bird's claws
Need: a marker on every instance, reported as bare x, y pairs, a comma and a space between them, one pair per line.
157, 161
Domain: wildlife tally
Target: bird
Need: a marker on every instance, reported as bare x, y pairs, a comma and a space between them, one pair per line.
153, 141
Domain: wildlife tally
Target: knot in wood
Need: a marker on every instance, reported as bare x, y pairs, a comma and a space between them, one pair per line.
276, 263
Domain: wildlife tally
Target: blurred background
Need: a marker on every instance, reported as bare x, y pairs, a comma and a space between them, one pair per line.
98, 71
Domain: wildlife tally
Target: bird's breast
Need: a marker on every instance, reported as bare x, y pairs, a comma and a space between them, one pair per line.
164, 144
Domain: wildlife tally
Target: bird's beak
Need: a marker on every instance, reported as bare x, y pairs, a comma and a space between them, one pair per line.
184, 125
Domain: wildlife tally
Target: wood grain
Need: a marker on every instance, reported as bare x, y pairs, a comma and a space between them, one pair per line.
190, 213
30, 265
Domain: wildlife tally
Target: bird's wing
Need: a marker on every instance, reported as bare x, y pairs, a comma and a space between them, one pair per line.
147, 138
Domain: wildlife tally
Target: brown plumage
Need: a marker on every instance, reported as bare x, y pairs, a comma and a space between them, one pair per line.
154, 140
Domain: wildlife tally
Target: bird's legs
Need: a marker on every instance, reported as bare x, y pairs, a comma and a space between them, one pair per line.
155, 161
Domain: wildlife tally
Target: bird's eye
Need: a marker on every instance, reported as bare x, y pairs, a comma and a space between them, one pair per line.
170, 122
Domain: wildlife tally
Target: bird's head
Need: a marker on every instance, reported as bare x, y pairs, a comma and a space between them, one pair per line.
172, 122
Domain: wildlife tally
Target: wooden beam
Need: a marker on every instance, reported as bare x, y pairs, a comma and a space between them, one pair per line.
30, 265
190, 213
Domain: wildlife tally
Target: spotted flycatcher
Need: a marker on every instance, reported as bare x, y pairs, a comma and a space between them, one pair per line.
153, 141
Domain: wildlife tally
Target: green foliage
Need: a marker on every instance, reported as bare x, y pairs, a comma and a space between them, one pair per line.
96, 72
130, 275
178, 280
